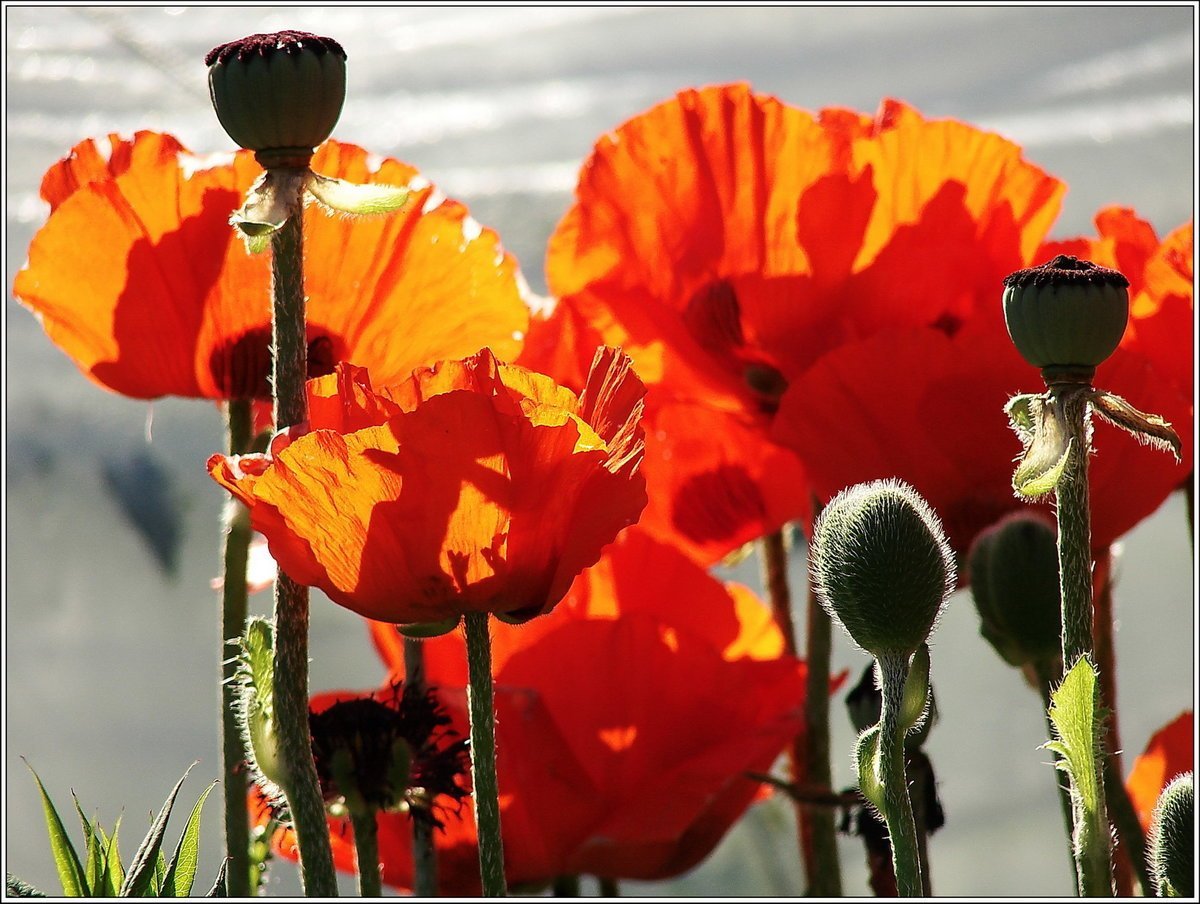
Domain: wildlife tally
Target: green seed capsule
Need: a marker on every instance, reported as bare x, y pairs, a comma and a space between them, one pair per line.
881, 566
278, 94
1066, 316
1014, 581
1173, 839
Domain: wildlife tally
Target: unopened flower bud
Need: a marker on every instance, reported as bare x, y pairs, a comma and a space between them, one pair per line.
881, 566
1173, 839
1014, 581
278, 94
1066, 316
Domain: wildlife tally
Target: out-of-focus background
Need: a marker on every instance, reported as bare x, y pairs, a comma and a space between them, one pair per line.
110, 648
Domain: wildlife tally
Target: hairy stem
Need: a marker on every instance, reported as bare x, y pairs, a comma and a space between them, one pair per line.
486, 795
897, 811
1092, 841
366, 852
239, 428
774, 560
1129, 854
425, 883
825, 878
302, 790
1048, 678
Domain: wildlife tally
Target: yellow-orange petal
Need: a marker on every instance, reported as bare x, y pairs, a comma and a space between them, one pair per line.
1168, 754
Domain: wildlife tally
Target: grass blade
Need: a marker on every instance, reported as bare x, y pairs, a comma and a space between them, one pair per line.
220, 887
19, 888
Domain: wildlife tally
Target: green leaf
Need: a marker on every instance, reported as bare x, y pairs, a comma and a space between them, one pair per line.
93, 860
142, 870
160, 873
866, 763
19, 888
114, 871
1076, 725
338, 195
1022, 414
1146, 428
181, 872
1039, 472
220, 887
66, 861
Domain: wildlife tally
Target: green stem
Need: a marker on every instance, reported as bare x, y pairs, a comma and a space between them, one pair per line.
302, 790
1074, 529
1047, 680
1130, 851
565, 887
424, 851
918, 768
1189, 498
486, 795
775, 581
239, 424
609, 888
1093, 853
902, 828
825, 876
366, 851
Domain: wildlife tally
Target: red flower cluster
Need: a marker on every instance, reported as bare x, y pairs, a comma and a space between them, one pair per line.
813, 302
626, 721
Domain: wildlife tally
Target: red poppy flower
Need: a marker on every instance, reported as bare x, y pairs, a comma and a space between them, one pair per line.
472, 486
139, 278
626, 721
728, 241
1169, 754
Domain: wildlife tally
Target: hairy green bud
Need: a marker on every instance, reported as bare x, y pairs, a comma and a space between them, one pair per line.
881, 566
1066, 316
1173, 839
1014, 582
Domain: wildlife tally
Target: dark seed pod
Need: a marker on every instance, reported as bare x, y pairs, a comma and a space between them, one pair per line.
278, 94
1014, 581
1173, 839
881, 566
1066, 316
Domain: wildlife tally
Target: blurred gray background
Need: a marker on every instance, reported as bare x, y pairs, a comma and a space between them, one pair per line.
111, 537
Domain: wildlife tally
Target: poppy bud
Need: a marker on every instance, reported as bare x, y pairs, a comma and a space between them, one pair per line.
1014, 581
881, 566
278, 94
1173, 839
1066, 316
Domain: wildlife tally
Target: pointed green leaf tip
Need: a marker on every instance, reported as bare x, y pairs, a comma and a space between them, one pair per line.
1173, 839
1074, 717
66, 861
881, 566
340, 196
1014, 582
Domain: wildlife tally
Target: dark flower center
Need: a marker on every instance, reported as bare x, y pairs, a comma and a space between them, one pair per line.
241, 367
267, 44
1067, 270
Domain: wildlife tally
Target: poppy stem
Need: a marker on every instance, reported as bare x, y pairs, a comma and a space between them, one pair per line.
486, 796
897, 810
1130, 850
1093, 855
366, 852
424, 851
239, 429
565, 887
825, 875
302, 788
1048, 677
774, 556
609, 888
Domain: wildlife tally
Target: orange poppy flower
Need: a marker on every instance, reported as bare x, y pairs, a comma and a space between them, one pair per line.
1170, 753
633, 767
139, 278
473, 486
728, 241
928, 408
